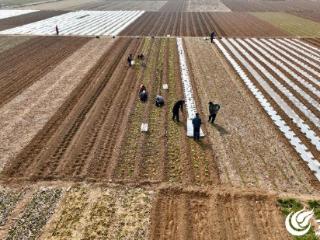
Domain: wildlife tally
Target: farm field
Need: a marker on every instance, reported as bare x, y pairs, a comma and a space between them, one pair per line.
200, 24
271, 6
75, 162
236, 130
80, 23
294, 25
27, 18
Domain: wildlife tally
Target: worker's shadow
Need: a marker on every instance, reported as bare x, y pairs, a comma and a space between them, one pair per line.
220, 129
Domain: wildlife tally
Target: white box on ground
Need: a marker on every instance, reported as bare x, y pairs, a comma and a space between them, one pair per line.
165, 86
190, 129
144, 127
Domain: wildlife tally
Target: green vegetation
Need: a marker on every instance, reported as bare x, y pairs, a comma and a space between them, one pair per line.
294, 25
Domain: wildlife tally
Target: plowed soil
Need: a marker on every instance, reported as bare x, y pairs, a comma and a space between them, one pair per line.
271, 6
179, 214
251, 164
200, 24
92, 138
25, 115
27, 18
7, 42
30, 61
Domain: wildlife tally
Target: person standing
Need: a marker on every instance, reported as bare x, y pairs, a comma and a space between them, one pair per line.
175, 110
57, 30
130, 59
196, 122
213, 111
212, 36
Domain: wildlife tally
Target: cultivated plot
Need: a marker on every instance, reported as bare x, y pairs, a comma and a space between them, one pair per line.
200, 24
25, 115
248, 148
125, 5
271, 6
80, 23
24, 19
12, 13
296, 26
283, 75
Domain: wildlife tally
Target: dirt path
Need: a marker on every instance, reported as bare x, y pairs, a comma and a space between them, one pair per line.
24, 116
27, 63
248, 154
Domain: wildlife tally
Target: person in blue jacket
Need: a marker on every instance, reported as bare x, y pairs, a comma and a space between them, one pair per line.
196, 122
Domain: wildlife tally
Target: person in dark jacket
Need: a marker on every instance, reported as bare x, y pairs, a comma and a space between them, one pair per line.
143, 96
175, 110
213, 111
142, 88
159, 101
57, 30
130, 58
196, 122
212, 36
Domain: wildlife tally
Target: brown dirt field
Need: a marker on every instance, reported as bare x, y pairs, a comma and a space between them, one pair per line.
25, 115
174, 6
7, 42
271, 6
27, 18
183, 214
251, 164
201, 24
61, 139
313, 41
244, 25
27, 63
125, 5
205, 6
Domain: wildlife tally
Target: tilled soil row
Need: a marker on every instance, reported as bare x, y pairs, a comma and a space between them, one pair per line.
313, 41
201, 24
243, 161
71, 128
173, 6
27, 63
179, 214
7, 42
27, 18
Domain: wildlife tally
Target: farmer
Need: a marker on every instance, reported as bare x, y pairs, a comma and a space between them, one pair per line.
212, 35
143, 96
175, 110
213, 111
130, 58
142, 88
57, 30
196, 122
159, 101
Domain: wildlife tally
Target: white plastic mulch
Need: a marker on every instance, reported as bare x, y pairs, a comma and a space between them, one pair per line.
11, 13
80, 23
